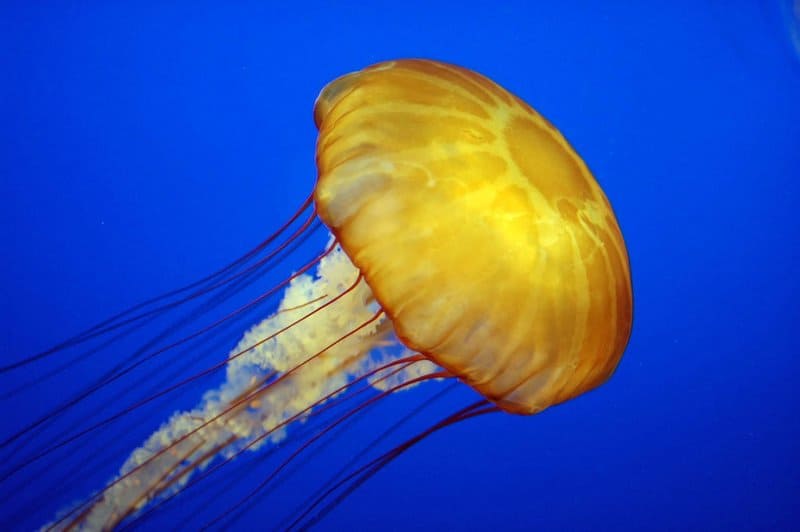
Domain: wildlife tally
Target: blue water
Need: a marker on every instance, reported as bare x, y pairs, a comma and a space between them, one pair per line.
142, 148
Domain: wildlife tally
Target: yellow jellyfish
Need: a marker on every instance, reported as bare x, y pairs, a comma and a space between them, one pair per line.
479, 230
464, 226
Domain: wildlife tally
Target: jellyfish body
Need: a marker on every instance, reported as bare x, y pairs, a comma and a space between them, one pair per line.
481, 232
465, 227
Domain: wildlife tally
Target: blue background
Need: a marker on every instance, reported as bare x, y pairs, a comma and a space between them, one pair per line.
142, 148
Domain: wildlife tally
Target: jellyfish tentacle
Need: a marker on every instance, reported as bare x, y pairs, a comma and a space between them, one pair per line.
111, 323
175, 386
159, 485
366, 471
244, 398
333, 270
347, 469
87, 505
325, 403
326, 430
117, 375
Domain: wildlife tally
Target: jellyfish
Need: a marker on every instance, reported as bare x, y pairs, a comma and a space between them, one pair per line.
468, 242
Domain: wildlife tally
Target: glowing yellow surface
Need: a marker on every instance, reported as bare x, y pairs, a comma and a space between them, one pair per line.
479, 229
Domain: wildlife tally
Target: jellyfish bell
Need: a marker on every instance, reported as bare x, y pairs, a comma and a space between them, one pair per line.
480, 231
469, 242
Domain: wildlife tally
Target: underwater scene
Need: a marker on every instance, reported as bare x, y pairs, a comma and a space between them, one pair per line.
400, 266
